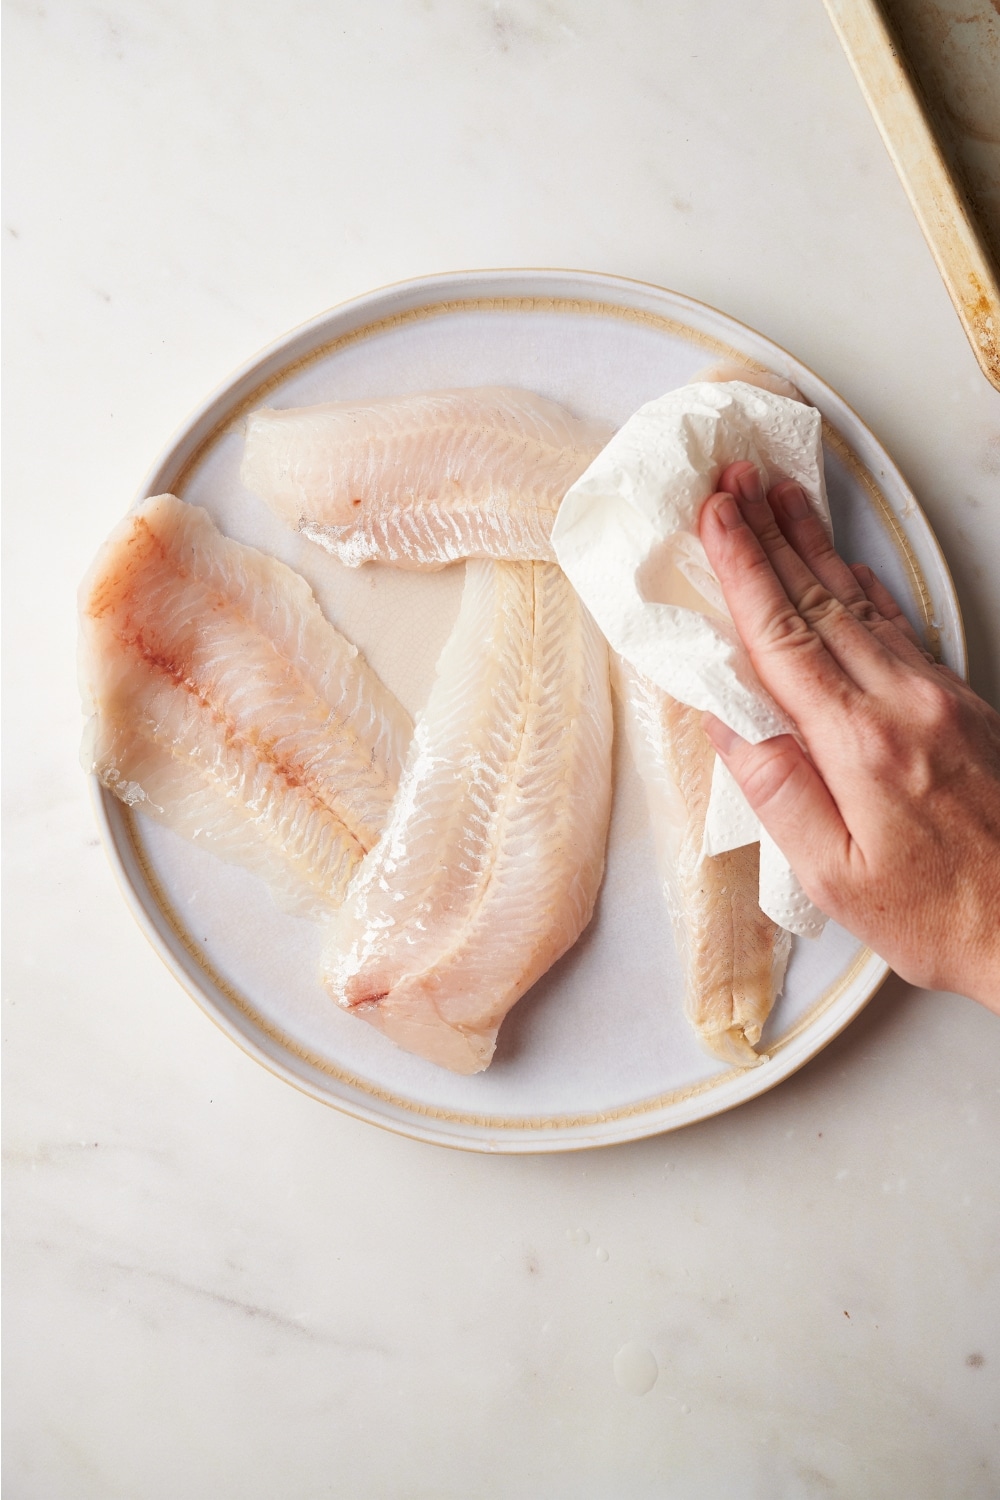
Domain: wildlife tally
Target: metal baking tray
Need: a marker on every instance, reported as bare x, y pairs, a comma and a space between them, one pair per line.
930, 73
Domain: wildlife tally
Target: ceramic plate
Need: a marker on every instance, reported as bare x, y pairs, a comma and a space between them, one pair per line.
598, 1051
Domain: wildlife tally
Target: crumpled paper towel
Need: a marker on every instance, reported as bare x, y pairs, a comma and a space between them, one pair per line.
627, 537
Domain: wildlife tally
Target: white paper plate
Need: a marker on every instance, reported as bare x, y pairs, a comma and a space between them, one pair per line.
599, 1051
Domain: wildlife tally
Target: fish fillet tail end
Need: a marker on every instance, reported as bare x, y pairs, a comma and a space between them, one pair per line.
732, 1046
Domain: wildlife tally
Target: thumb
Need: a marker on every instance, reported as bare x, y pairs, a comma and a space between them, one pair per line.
791, 800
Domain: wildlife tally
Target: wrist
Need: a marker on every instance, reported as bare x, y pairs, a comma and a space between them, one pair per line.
977, 963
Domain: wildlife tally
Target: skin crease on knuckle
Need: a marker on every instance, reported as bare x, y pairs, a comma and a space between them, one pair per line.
864, 611
788, 650
821, 609
770, 535
786, 630
770, 773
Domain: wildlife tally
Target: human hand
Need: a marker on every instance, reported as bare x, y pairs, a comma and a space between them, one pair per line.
890, 814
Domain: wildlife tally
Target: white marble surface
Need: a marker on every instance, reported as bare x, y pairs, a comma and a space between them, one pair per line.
215, 1286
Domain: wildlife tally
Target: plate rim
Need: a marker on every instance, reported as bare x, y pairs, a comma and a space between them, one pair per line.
645, 1118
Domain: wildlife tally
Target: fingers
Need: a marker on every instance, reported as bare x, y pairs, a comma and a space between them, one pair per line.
791, 800
854, 646
887, 607
790, 658
805, 532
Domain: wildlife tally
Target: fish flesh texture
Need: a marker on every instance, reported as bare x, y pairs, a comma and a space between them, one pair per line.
225, 705
422, 480
734, 957
491, 861
490, 864
765, 380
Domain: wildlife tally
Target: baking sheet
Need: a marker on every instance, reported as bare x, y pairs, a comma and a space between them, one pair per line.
930, 74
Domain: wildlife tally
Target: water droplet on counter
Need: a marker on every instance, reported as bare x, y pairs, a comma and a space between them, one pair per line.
635, 1368
602, 1254
578, 1236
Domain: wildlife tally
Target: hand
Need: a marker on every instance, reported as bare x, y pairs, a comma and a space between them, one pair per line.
890, 815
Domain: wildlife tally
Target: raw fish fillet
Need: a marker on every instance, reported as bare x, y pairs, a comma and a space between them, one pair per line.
765, 379
493, 855
734, 956
422, 480
225, 705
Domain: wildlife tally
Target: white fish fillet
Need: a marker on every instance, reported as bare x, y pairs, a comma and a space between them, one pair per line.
727, 370
734, 956
422, 480
225, 704
490, 864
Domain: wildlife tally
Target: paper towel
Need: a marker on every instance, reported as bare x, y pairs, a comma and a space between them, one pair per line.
627, 537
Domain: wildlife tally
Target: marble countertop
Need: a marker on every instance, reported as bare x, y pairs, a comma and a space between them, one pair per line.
216, 1287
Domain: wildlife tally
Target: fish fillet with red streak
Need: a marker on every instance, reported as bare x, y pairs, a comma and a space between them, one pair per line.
224, 704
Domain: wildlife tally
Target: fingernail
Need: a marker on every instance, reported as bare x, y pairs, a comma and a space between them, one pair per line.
728, 512
864, 575
723, 738
792, 499
750, 486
